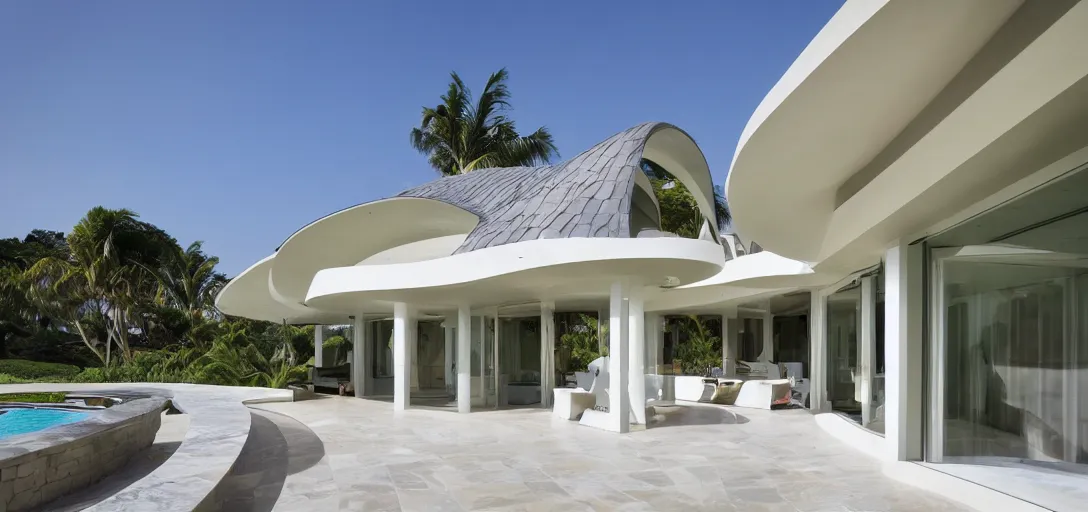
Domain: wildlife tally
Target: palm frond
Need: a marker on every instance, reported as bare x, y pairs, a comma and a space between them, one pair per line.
460, 135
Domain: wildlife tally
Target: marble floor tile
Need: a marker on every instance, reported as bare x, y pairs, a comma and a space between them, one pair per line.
524, 460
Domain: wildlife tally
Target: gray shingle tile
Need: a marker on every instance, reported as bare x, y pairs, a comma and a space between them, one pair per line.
584, 196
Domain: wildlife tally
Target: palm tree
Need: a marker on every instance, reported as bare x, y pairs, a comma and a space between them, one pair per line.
459, 136
102, 276
187, 281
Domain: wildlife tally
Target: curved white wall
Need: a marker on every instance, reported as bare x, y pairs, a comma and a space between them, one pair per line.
355, 234
864, 77
530, 270
422, 250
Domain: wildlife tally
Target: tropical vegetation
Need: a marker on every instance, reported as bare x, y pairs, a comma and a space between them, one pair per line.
581, 343
460, 135
118, 299
701, 350
680, 213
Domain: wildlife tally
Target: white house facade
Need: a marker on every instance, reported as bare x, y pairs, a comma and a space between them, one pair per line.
935, 152
914, 182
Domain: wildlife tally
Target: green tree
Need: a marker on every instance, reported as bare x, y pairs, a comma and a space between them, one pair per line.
19, 318
583, 343
702, 350
103, 277
458, 136
680, 213
187, 280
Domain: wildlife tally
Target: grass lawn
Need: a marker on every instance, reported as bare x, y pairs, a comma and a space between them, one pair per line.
33, 398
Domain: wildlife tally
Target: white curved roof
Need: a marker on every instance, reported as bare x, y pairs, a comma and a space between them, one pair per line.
357, 233
860, 82
489, 237
525, 271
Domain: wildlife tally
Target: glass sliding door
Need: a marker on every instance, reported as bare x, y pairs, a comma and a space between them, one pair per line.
431, 356
520, 360
1010, 353
843, 333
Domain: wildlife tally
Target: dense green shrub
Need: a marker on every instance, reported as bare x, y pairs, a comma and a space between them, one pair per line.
34, 398
34, 370
11, 379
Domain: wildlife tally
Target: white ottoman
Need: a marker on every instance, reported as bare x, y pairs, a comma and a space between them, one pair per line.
694, 389
570, 403
762, 394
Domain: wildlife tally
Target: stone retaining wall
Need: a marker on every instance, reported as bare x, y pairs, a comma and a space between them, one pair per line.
39, 467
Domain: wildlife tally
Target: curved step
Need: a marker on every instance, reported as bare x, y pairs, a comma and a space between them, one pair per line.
219, 426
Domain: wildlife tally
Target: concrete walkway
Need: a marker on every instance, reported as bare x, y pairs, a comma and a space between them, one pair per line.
349, 454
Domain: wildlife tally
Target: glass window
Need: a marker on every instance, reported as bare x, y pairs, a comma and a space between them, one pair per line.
751, 339
431, 355
382, 362
1015, 353
843, 327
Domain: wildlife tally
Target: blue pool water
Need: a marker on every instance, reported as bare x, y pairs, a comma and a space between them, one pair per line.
17, 421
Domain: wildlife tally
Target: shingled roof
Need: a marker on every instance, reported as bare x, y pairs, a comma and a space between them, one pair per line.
588, 196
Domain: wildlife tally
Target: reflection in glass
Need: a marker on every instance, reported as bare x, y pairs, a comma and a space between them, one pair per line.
431, 355
382, 362
1015, 359
843, 326
855, 371
520, 351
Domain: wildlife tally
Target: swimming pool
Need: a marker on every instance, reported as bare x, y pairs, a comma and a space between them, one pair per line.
22, 420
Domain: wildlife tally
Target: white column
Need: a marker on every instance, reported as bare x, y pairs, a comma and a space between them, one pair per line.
653, 342
768, 334
319, 342
495, 361
402, 366
449, 376
547, 353
358, 351
636, 334
867, 348
904, 287
730, 330
464, 359
619, 403
818, 353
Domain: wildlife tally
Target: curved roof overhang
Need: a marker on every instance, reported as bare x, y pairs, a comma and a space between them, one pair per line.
767, 270
548, 269
709, 300
352, 235
871, 70
675, 150
247, 295
744, 279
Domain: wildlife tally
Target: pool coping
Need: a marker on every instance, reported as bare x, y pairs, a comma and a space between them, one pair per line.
219, 424
40, 466
23, 447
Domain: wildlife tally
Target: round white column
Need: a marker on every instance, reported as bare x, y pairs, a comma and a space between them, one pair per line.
636, 365
402, 365
358, 359
619, 403
464, 359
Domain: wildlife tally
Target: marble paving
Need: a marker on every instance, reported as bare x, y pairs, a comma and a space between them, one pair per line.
340, 453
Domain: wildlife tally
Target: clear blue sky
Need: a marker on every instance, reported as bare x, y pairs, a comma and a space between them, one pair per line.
238, 122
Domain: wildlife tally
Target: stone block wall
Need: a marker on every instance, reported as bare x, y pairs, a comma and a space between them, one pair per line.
40, 476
